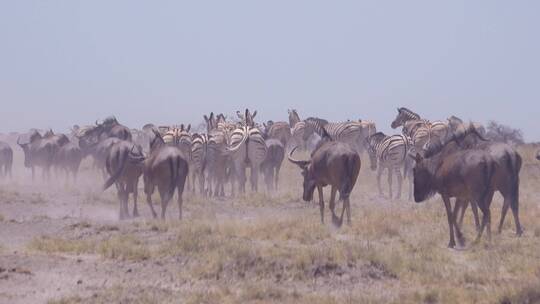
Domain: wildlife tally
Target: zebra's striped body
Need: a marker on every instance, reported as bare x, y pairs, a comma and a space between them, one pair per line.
179, 137
422, 132
390, 152
216, 161
298, 127
353, 133
247, 149
199, 148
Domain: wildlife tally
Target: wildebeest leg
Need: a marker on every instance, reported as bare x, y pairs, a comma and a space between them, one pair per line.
276, 177
459, 211
474, 208
321, 202
332, 206
121, 198
379, 174
459, 205
400, 182
484, 203
348, 202
149, 201
390, 171
164, 201
33, 173
450, 218
135, 196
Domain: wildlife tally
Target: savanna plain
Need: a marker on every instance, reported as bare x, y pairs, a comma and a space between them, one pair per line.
62, 242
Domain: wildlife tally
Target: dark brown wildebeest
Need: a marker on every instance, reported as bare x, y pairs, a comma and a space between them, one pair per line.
335, 164
538, 155
68, 158
6, 159
91, 135
167, 169
279, 130
124, 164
275, 152
39, 152
506, 179
467, 175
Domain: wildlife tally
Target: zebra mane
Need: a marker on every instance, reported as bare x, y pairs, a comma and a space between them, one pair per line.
319, 121
408, 112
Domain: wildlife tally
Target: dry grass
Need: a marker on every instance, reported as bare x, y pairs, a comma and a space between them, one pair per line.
119, 247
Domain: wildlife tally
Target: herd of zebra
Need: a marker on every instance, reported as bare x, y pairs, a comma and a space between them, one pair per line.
449, 157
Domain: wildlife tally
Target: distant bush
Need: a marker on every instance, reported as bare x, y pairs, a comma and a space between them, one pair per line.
503, 133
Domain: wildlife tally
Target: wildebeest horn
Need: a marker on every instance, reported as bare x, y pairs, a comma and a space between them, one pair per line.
301, 163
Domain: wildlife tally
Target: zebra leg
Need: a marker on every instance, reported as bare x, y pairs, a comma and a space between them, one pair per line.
390, 182
255, 178
379, 174
400, 182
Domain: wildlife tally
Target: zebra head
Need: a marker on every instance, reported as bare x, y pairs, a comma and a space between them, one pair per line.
294, 118
210, 122
403, 116
371, 142
247, 118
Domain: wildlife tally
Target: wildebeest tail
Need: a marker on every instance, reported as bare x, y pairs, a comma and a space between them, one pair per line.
121, 159
515, 169
351, 163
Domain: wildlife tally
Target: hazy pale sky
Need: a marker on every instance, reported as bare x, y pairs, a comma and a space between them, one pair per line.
67, 62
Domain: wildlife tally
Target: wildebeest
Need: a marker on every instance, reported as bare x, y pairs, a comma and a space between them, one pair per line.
279, 130
467, 175
124, 163
39, 152
110, 127
506, 177
538, 155
6, 159
275, 152
167, 169
68, 158
335, 164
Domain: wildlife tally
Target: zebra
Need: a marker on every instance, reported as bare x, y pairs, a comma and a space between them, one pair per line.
297, 130
279, 130
247, 148
422, 131
199, 147
390, 152
216, 156
352, 132
179, 136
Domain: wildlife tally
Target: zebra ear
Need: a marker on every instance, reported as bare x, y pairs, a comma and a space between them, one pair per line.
239, 115
254, 114
188, 128
399, 110
205, 118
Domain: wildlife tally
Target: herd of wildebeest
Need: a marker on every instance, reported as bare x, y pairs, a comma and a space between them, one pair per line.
451, 158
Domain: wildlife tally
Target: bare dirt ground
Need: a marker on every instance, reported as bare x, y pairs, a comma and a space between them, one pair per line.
62, 243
